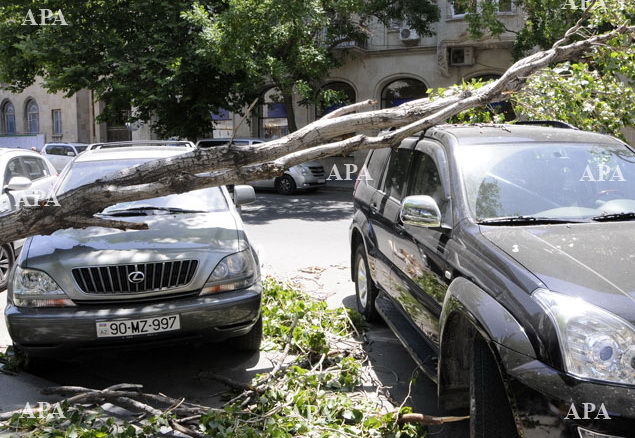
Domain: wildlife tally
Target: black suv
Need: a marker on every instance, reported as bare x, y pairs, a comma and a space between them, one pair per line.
503, 257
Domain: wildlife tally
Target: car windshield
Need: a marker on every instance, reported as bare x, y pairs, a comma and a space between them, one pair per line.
523, 182
80, 173
80, 149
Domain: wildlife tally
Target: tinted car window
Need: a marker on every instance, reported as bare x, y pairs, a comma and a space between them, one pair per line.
54, 150
375, 167
397, 173
35, 168
14, 168
80, 149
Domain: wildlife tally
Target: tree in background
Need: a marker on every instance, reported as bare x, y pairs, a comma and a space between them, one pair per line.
134, 54
593, 91
291, 44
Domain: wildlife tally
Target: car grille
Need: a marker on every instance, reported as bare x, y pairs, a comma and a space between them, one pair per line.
317, 170
132, 278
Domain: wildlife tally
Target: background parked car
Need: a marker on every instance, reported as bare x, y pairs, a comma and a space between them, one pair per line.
192, 275
306, 176
502, 257
26, 177
61, 153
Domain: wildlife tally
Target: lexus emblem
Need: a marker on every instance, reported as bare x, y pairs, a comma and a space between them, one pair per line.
136, 277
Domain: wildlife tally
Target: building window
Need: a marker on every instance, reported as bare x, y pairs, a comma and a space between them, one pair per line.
500, 107
344, 92
401, 91
32, 117
8, 118
272, 117
460, 7
57, 121
223, 125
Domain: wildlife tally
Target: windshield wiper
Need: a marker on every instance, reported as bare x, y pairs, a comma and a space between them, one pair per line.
141, 211
524, 220
615, 217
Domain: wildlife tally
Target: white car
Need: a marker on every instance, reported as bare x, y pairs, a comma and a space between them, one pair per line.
305, 176
26, 178
59, 154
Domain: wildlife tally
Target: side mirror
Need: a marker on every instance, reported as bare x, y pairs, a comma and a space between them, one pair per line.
18, 183
244, 195
420, 211
70, 154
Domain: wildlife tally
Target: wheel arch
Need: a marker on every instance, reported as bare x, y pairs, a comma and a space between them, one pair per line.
356, 239
469, 311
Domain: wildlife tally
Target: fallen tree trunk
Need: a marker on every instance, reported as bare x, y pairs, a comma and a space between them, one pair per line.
241, 164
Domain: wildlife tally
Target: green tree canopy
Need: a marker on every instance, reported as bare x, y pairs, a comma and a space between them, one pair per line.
290, 43
139, 54
593, 91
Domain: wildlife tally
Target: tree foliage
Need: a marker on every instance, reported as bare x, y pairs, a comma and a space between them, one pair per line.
291, 44
138, 54
593, 91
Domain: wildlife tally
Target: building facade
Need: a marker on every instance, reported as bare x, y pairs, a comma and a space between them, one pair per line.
395, 65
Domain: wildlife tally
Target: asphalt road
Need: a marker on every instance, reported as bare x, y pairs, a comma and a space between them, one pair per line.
302, 239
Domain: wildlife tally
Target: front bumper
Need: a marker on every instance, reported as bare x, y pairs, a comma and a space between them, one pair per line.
552, 403
214, 318
308, 181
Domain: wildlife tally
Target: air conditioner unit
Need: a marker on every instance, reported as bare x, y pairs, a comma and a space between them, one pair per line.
408, 35
461, 56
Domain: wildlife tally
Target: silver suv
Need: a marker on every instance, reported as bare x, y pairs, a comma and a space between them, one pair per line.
193, 275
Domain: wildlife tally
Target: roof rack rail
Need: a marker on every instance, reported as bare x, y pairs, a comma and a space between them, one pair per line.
552, 123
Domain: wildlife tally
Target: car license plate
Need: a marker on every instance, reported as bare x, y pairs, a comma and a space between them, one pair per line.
135, 327
321, 181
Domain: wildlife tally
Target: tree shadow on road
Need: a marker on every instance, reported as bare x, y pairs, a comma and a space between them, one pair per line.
174, 371
322, 205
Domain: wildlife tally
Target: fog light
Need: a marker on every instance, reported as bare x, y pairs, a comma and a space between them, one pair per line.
585, 433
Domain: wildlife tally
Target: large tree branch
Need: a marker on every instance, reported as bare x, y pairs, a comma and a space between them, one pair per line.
240, 164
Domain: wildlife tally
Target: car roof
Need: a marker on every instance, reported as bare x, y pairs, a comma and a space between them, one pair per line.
5, 151
228, 139
131, 153
516, 133
140, 143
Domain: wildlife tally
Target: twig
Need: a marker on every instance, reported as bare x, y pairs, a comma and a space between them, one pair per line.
428, 420
349, 109
229, 382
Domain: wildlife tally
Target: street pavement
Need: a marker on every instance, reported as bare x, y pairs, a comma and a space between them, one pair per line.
302, 239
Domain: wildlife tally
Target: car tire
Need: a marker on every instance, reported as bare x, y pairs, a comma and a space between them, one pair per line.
285, 185
365, 289
249, 341
490, 412
6, 264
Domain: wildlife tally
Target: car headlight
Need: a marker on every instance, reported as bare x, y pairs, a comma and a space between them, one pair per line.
301, 170
595, 343
33, 288
236, 271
